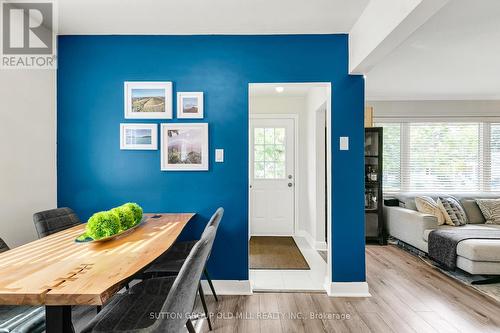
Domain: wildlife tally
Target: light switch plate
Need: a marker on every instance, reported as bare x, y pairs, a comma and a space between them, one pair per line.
219, 155
344, 143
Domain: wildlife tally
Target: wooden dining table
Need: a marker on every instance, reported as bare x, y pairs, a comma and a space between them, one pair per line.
56, 272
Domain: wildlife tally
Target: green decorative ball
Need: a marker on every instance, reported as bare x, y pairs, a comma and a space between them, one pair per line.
125, 215
103, 224
136, 210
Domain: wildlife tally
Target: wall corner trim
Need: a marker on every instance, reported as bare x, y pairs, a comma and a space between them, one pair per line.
348, 289
228, 287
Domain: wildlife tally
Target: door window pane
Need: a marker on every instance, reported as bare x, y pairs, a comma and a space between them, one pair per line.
269, 153
269, 139
259, 170
280, 170
279, 136
259, 153
259, 136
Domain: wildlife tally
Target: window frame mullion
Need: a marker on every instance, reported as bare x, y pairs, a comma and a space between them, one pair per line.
405, 157
485, 162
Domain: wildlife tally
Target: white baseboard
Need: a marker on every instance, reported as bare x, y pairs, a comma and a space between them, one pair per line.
272, 235
348, 289
307, 236
228, 287
320, 246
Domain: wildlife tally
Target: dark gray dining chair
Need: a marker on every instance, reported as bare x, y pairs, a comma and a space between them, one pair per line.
158, 304
171, 261
3, 246
20, 319
51, 221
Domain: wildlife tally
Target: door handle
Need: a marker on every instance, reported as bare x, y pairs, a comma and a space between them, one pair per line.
290, 184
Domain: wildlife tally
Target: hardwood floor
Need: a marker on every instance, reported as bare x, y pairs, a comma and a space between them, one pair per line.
407, 296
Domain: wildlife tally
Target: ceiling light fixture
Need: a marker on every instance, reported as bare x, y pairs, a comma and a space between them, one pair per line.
279, 89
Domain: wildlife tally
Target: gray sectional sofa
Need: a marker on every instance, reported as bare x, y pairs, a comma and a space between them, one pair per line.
475, 256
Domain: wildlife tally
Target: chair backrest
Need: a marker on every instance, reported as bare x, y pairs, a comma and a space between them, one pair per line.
3, 246
215, 220
181, 298
51, 221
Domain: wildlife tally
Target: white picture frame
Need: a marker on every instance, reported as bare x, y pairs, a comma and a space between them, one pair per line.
176, 149
190, 105
138, 136
147, 97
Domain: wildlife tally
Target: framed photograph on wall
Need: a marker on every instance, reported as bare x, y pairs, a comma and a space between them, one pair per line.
184, 147
138, 136
190, 105
148, 100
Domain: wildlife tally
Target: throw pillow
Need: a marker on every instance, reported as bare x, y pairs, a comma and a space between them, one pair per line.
427, 205
490, 209
474, 215
453, 212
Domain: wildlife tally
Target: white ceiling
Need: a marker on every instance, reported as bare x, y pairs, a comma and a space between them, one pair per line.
208, 16
455, 55
289, 89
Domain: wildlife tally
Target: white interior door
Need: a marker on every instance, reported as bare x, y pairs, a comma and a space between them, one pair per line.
272, 176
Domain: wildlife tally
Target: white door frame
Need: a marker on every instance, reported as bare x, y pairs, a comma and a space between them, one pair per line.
329, 160
295, 119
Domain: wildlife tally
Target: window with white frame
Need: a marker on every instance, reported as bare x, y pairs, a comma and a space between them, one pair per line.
494, 148
439, 156
392, 157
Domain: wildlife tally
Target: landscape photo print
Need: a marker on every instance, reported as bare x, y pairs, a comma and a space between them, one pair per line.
148, 100
138, 136
190, 105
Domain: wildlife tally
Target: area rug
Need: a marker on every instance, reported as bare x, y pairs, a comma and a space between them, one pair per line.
490, 290
270, 252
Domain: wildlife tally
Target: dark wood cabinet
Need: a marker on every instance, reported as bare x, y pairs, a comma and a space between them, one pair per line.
374, 221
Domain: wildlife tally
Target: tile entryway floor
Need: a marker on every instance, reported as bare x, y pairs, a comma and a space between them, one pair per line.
293, 280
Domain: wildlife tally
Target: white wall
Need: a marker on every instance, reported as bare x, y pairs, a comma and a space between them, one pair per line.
316, 122
311, 183
28, 151
432, 109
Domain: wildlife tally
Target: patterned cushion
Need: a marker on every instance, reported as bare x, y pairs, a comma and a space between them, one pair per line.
490, 209
474, 214
453, 212
427, 205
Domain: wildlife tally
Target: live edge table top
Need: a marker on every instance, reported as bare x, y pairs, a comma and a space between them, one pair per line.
56, 270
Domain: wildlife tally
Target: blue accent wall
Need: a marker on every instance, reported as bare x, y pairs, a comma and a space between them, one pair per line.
94, 174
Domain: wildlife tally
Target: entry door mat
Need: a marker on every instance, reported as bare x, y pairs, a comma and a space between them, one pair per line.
269, 252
